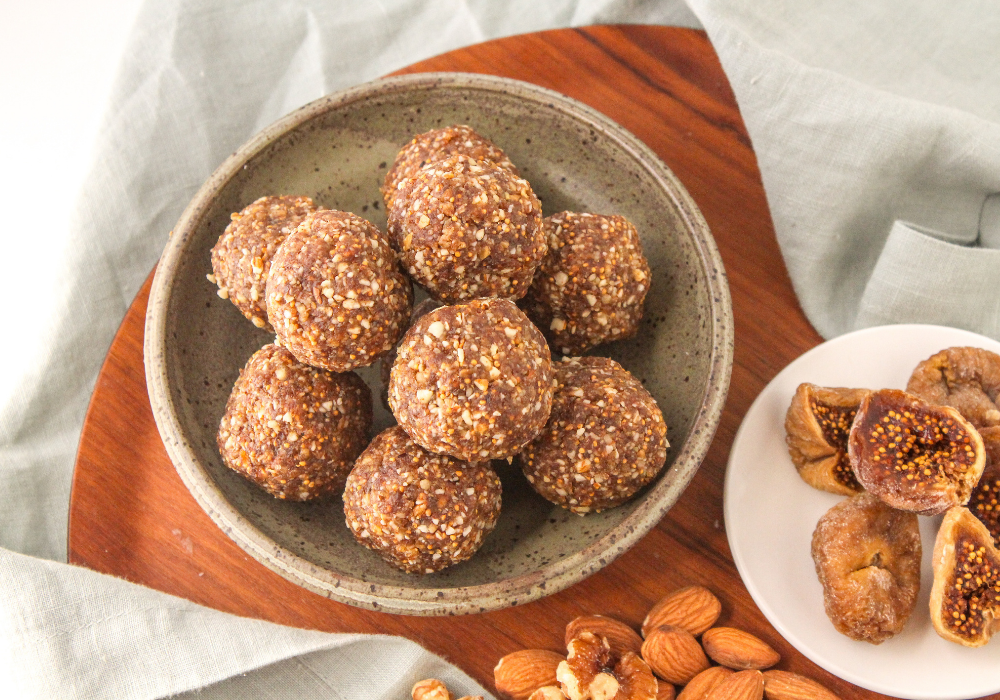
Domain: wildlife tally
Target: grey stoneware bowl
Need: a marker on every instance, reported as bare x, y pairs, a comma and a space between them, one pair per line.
336, 150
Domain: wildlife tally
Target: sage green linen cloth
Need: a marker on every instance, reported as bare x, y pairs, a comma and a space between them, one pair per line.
876, 131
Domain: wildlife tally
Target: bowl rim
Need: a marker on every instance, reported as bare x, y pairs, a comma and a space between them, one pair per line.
460, 599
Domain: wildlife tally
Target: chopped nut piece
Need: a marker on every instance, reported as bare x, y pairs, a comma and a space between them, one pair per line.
430, 689
583, 675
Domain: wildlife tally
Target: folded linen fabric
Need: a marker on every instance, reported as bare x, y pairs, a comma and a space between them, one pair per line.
68, 632
863, 115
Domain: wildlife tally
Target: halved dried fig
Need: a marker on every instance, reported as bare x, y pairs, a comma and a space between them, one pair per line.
965, 599
816, 428
967, 379
867, 557
985, 500
913, 455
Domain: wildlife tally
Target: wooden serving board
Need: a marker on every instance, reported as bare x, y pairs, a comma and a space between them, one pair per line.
131, 516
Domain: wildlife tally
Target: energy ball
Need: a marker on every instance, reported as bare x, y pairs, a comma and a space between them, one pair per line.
292, 429
605, 438
435, 145
591, 286
418, 510
472, 381
386, 361
242, 257
468, 229
335, 295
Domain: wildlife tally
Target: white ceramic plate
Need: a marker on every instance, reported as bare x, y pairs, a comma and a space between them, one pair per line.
771, 513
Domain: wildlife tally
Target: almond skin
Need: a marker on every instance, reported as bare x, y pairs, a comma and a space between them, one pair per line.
704, 683
737, 649
694, 608
664, 690
785, 685
620, 636
745, 685
673, 654
521, 673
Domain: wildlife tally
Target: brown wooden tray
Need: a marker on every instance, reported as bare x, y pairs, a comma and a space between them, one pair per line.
131, 516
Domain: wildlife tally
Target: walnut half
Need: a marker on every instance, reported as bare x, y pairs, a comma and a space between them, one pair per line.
591, 672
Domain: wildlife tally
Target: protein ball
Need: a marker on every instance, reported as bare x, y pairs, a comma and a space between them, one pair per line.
418, 510
335, 295
242, 257
437, 144
591, 286
468, 229
292, 429
386, 361
605, 438
472, 381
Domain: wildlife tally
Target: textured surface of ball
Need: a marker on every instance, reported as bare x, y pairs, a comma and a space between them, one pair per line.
473, 381
418, 510
335, 294
605, 438
292, 429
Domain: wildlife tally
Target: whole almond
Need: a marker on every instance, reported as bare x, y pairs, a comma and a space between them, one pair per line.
785, 685
521, 673
745, 685
620, 636
701, 685
737, 649
694, 608
673, 654
664, 690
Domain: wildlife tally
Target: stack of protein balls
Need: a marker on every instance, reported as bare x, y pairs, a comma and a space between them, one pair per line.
470, 376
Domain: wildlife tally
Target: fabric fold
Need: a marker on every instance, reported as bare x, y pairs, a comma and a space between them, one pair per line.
69, 632
929, 280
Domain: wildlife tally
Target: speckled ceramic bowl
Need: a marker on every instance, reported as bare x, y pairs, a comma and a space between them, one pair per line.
336, 150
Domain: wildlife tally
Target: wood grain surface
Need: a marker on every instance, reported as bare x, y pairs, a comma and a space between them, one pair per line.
131, 516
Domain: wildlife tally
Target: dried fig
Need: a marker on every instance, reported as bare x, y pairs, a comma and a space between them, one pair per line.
867, 557
913, 455
965, 599
816, 428
985, 500
967, 379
